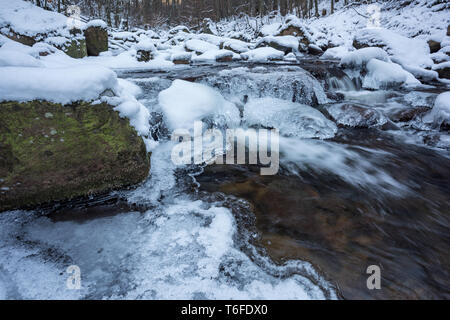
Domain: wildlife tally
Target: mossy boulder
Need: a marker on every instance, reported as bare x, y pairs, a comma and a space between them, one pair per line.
50, 152
73, 47
96, 40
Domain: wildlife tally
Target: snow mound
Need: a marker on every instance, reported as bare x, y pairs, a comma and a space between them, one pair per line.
186, 102
360, 58
283, 43
440, 114
237, 46
291, 119
335, 53
263, 55
382, 75
27, 19
14, 58
146, 45
62, 85
412, 54
214, 55
96, 24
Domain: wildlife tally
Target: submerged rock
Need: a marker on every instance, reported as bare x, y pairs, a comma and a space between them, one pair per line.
50, 152
356, 116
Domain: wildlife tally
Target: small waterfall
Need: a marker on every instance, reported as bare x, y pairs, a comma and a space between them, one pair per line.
344, 83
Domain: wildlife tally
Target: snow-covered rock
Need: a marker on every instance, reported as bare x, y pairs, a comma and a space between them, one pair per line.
181, 57
97, 23
26, 19
291, 119
145, 50
382, 75
236, 46
264, 54
186, 102
359, 58
335, 53
286, 44
62, 85
199, 46
412, 54
287, 83
219, 55
443, 69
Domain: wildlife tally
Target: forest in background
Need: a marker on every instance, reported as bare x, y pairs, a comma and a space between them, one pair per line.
132, 13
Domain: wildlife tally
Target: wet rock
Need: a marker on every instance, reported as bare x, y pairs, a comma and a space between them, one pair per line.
50, 152
434, 46
314, 50
96, 40
443, 70
144, 55
356, 116
26, 40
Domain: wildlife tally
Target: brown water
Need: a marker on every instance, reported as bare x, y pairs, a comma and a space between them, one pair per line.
342, 229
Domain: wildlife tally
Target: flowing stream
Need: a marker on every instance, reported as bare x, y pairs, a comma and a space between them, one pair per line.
372, 192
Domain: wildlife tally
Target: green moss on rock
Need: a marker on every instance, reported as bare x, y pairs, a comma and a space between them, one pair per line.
50, 152
76, 48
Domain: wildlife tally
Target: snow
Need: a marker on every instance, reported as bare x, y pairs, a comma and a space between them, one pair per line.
290, 42
381, 75
359, 58
97, 24
26, 19
181, 56
236, 45
186, 102
263, 55
412, 54
291, 119
440, 114
335, 53
199, 46
145, 45
270, 29
62, 85
356, 115
13, 58
214, 55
